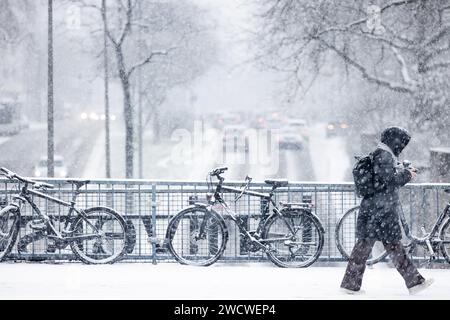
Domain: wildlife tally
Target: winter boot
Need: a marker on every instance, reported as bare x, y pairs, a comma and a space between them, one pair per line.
421, 286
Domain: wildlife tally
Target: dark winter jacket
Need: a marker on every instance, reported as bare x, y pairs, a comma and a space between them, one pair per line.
379, 213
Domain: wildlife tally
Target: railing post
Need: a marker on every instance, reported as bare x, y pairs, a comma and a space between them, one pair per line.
328, 222
154, 223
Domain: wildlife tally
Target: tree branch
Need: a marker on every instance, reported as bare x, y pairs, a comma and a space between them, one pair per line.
105, 26
435, 38
149, 58
437, 66
381, 39
405, 72
365, 74
363, 20
435, 53
127, 26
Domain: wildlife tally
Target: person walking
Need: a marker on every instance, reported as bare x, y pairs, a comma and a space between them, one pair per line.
378, 218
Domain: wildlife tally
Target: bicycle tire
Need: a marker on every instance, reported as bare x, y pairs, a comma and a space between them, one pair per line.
79, 246
312, 231
6, 247
185, 252
445, 251
346, 239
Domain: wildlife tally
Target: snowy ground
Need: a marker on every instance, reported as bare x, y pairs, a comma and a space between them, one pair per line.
220, 281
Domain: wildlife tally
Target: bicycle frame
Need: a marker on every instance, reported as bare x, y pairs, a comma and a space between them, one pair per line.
445, 214
25, 196
233, 215
434, 230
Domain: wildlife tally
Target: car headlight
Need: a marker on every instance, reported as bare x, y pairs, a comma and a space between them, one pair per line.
84, 116
93, 116
330, 127
37, 173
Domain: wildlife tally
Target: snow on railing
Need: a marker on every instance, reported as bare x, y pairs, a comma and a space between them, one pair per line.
148, 205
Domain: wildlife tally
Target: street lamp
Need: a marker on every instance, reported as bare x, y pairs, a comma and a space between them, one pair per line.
50, 113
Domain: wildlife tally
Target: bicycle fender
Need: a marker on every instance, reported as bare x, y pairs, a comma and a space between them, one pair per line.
9, 207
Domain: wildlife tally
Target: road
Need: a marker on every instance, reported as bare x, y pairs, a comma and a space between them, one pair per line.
177, 159
82, 146
73, 141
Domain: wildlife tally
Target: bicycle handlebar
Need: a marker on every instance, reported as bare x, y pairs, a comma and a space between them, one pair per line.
218, 171
7, 172
12, 175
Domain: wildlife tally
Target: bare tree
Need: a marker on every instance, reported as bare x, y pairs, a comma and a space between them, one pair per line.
401, 45
162, 40
118, 40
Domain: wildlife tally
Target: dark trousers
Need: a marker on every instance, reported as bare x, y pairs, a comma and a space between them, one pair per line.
357, 264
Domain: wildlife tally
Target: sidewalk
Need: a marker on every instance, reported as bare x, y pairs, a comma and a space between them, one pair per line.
220, 281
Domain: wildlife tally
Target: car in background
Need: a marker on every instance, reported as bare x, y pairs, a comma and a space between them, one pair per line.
40, 169
301, 125
258, 121
290, 138
337, 128
268, 119
223, 119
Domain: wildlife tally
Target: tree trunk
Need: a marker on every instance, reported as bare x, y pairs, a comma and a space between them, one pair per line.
128, 114
129, 129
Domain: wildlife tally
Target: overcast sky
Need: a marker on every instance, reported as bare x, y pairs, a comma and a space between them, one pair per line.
232, 83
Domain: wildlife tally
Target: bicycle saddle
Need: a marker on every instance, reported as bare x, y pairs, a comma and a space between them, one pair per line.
277, 182
78, 183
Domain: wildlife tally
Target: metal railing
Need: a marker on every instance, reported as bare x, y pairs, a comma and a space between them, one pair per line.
148, 205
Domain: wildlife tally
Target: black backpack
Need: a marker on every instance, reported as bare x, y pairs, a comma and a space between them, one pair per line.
363, 175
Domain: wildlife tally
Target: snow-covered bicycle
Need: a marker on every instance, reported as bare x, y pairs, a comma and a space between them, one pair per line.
433, 242
292, 236
96, 235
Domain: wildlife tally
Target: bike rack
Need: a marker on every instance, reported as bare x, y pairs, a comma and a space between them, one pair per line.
149, 205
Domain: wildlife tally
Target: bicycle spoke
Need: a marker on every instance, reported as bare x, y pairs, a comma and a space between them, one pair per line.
9, 228
296, 245
102, 236
191, 245
114, 236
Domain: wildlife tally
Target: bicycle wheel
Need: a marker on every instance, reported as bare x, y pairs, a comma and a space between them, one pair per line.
9, 229
192, 246
445, 237
109, 236
345, 235
295, 239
